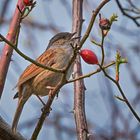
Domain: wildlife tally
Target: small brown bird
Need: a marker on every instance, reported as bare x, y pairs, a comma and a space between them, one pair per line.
34, 79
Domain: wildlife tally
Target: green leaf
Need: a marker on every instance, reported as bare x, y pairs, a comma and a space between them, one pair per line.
113, 18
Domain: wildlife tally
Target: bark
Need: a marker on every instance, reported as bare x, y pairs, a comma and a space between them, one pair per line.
79, 87
6, 133
7, 50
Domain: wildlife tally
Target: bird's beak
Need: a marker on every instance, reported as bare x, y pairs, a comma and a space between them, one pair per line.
73, 38
76, 37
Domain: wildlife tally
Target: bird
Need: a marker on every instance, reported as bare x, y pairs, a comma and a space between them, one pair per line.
34, 79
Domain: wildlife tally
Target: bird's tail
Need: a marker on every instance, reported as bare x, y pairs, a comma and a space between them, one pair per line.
19, 109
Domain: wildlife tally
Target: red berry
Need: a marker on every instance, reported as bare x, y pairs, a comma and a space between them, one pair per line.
89, 56
28, 2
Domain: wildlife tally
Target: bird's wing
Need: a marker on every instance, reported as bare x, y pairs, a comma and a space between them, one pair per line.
32, 70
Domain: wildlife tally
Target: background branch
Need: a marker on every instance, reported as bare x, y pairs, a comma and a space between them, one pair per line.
79, 87
6, 133
28, 58
124, 11
8, 50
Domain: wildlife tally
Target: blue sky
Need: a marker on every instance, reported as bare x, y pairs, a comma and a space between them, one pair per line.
95, 85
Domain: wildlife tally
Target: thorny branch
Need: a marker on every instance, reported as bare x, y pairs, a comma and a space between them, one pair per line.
52, 94
92, 73
123, 95
79, 87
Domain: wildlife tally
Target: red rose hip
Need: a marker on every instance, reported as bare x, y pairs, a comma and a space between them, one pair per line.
89, 56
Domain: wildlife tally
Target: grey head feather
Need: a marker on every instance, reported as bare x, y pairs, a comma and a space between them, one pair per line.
60, 36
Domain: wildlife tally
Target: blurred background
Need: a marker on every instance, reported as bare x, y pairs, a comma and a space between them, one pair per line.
108, 118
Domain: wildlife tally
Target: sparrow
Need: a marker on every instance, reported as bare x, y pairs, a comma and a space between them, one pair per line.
35, 80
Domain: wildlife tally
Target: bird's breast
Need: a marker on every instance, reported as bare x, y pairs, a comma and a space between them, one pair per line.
48, 78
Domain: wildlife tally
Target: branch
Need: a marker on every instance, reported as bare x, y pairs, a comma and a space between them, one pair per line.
123, 95
4, 7
79, 87
52, 94
46, 110
91, 23
79, 98
7, 50
126, 14
6, 132
28, 58
92, 73
102, 49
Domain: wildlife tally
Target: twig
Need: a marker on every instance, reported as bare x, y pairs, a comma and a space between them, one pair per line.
96, 43
122, 93
46, 111
126, 14
92, 73
102, 49
28, 58
95, 13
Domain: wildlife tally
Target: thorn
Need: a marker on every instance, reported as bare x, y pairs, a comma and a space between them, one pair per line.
73, 73
12, 60
72, 111
85, 87
83, 20
100, 16
90, 135
6, 53
57, 95
19, 9
119, 98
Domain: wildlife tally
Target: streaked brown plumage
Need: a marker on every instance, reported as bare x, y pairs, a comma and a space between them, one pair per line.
34, 79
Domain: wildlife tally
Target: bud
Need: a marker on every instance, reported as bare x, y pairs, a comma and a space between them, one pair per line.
104, 24
89, 56
28, 2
